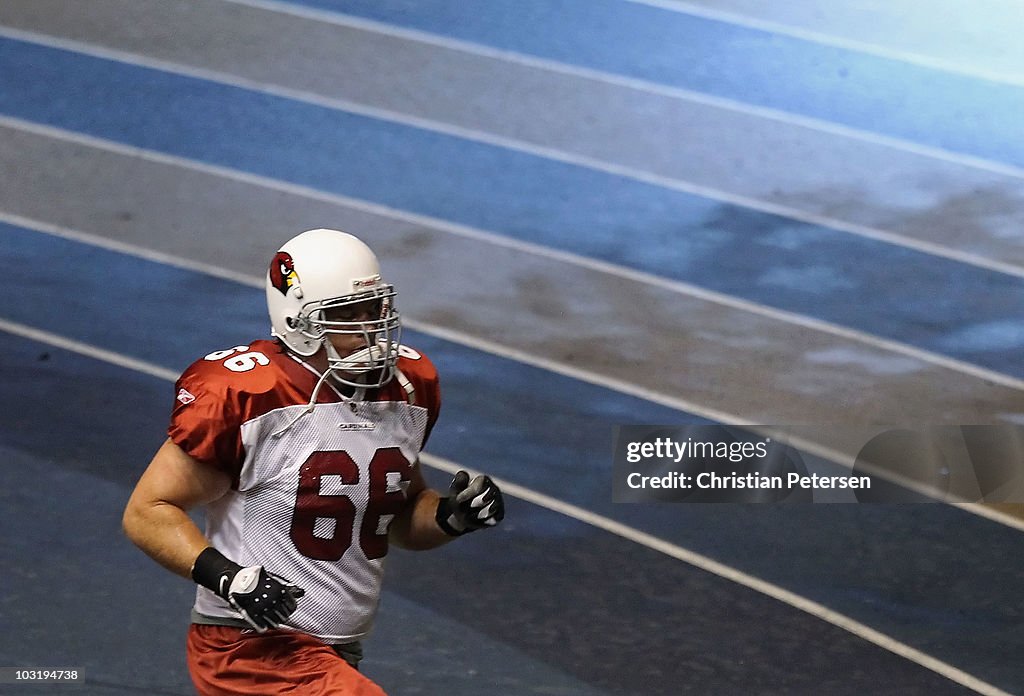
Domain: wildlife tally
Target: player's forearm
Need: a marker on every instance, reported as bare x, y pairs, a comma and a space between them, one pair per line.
416, 528
165, 533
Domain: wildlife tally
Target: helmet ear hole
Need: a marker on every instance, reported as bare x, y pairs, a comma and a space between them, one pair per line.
290, 323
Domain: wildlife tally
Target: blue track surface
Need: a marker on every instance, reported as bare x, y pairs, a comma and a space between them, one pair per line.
835, 276
750, 66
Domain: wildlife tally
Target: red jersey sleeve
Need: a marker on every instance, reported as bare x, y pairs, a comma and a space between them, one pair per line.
207, 417
432, 402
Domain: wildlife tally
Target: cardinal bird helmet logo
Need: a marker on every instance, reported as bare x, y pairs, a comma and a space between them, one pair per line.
282, 272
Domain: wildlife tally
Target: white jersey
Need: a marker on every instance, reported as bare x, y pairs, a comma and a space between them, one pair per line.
312, 497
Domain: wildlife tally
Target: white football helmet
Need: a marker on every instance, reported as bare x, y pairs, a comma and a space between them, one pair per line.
322, 270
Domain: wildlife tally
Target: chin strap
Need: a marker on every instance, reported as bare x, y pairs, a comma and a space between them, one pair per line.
410, 391
403, 381
308, 409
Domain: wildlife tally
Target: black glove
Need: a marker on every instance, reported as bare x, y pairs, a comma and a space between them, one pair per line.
264, 600
470, 506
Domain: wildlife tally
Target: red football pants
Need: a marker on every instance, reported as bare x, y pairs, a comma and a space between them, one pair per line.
223, 661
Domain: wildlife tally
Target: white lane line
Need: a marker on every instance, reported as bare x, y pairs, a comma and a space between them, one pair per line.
525, 147
992, 514
467, 232
87, 349
129, 249
343, 20
919, 59
616, 385
600, 522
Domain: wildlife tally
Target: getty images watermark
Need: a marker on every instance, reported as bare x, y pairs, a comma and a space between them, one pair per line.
717, 463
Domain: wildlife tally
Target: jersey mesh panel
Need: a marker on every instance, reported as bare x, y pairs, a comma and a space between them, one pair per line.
341, 596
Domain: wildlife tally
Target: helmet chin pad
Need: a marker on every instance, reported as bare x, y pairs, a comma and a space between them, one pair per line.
369, 367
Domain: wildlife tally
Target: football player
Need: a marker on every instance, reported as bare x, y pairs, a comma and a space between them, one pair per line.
304, 450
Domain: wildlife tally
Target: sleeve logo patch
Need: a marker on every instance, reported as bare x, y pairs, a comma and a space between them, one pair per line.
185, 397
